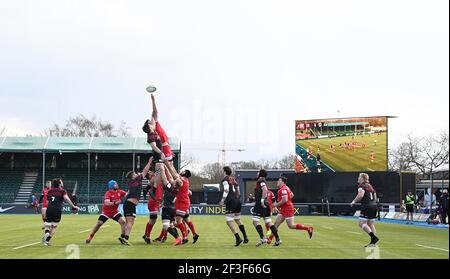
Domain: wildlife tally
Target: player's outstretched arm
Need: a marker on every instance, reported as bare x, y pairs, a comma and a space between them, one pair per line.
154, 108
147, 167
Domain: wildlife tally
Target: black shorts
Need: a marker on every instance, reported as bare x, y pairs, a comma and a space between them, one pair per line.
259, 211
369, 213
105, 218
129, 209
168, 214
410, 208
157, 158
233, 206
53, 215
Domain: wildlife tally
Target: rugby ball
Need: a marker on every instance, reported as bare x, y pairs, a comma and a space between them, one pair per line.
151, 89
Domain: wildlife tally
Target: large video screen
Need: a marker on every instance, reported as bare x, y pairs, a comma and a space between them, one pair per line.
341, 144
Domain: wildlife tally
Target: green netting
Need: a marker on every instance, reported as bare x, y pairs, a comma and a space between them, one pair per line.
81, 144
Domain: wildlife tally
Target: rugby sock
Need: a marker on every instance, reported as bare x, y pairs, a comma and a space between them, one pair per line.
242, 228
237, 236
122, 236
275, 232
259, 229
162, 234
126, 237
301, 227
267, 227
148, 229
372, 236
173, 232
90, 237
191, 226
182, 228
271, 237
48, 238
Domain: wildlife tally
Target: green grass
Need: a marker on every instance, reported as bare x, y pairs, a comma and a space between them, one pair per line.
348, 160
335, 238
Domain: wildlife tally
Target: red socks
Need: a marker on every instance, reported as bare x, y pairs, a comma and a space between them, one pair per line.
163, 234
191, 226
148, 229
182, 228
301, 227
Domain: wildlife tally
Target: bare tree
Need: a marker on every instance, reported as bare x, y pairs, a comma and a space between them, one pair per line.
399, 158
286, 162
187, 159
213, 172
245, 165
427, 154
81, 126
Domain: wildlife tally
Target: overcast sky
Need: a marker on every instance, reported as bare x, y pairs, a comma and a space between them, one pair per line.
230, 71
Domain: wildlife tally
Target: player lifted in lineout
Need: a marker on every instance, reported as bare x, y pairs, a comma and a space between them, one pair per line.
233, 205
170, 171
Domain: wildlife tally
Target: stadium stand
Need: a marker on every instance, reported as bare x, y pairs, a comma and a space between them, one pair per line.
9, 184
110, 158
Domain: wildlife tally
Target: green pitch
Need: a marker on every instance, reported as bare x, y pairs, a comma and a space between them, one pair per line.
334, 238
350, 160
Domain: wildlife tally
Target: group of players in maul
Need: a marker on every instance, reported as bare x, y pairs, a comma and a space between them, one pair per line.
169, 193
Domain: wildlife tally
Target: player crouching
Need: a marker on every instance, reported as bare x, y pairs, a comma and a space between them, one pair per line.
110, 209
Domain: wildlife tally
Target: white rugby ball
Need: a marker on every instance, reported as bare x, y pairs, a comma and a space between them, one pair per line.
151, 89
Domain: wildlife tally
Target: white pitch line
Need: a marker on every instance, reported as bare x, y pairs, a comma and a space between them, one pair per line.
23, 246
354, 232
328, 228
27, 245
435, 248
370, 169
90, 229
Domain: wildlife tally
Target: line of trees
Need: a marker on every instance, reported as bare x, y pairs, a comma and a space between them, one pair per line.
212, 173
82, 126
